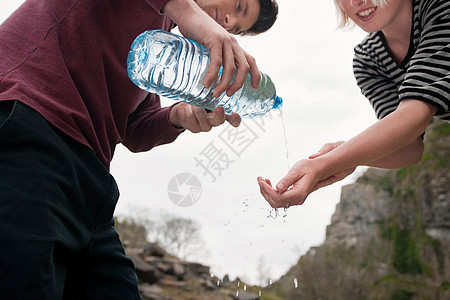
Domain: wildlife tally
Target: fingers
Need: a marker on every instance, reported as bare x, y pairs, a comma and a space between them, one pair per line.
326, 182
196, 24
296, 173
237, 64
271, 195
287, 181
294, 188
214, 66
254, 71
196, 119
216, 117
234, 119
230, 54
276, 199
222, 54
326, 148
243, 68
333, 179
202, 121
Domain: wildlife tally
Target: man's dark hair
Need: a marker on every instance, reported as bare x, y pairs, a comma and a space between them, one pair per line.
267, 17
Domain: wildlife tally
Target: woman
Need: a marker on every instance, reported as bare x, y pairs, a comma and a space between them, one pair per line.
402, 68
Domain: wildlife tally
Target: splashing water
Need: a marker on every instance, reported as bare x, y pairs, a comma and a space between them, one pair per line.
274, 213
246, 205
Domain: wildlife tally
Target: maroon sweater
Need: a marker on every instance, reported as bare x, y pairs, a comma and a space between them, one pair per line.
67, 60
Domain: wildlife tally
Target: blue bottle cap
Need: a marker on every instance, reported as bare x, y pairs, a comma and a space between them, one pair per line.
278, 102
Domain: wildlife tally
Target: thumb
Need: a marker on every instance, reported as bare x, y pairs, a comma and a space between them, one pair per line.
325, 148
286, 182
317, 154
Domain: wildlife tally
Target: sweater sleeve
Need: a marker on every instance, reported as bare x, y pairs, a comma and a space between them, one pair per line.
157, 4
149, 126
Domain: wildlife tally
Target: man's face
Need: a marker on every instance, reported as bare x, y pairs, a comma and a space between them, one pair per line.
235, 16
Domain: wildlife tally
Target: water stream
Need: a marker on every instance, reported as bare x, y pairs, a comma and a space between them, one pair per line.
283, 122
274, 213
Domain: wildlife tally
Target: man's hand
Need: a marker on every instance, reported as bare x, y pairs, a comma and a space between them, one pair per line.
197, 119
195, 24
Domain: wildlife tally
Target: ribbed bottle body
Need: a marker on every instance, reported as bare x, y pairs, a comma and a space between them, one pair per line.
175, 67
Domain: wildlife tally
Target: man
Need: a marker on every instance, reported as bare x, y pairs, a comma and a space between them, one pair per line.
65, 102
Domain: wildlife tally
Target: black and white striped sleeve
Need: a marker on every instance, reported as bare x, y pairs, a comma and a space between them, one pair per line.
370, 76
428, 76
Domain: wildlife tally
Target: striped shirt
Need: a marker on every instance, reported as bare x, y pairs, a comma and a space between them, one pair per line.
425, 72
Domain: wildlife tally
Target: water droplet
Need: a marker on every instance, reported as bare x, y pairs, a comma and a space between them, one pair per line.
285, 212
273, 213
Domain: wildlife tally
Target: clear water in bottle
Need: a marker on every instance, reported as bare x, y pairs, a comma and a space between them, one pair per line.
175, 67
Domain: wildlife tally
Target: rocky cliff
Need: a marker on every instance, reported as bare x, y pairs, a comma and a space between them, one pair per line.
389, 237
164, 277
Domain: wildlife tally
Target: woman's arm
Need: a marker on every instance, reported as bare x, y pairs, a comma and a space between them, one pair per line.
378, 145
406, 156
381, 140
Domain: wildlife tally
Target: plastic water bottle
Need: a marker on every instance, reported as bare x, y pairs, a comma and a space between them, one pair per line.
175, 67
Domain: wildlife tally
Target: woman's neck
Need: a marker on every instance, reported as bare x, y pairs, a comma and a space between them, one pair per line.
398, 32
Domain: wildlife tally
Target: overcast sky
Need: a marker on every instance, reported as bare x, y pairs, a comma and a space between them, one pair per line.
309, 61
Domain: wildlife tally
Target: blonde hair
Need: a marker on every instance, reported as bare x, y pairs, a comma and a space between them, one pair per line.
344, 21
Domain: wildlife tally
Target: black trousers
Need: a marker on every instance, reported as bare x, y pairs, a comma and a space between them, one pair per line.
57, 235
